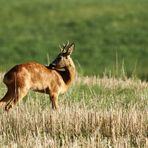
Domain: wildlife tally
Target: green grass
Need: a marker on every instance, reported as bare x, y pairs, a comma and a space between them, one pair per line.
107, 33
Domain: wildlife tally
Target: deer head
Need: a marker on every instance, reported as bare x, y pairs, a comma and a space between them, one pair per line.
63, 59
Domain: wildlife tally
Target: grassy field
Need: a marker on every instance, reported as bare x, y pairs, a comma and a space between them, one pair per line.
95, 112
109, 34
105, 110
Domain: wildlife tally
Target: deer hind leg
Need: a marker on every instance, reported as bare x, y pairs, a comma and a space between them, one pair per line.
6, 98
19, 94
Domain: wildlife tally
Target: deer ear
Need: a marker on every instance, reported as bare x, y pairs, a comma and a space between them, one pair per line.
70, 49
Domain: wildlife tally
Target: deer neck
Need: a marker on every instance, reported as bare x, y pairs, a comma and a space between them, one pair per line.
68, 74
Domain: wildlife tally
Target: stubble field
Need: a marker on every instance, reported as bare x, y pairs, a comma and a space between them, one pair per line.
95, 112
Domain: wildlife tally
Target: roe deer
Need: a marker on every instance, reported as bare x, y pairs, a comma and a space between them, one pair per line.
54, 79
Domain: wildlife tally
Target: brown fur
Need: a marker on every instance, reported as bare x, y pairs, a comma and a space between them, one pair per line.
54, 79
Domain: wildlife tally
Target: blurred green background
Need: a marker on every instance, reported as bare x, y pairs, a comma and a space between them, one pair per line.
111, 36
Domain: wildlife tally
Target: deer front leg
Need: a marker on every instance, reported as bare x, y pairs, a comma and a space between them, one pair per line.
54, 101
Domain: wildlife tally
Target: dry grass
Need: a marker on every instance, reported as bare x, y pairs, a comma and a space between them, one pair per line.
94, 113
